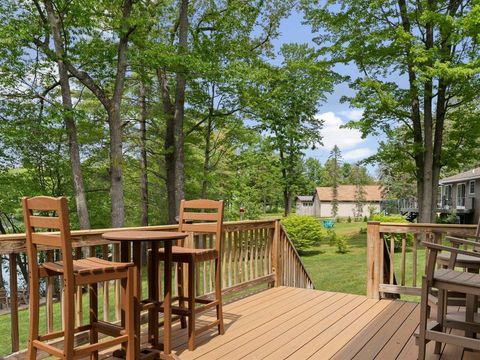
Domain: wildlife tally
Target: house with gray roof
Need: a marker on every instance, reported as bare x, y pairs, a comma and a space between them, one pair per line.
461, 194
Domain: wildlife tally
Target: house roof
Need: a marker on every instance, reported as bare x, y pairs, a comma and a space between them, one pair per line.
347, 193
305, 197
467, 175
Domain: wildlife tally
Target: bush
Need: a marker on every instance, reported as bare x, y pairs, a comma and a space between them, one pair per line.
342, 245
349, 219
332, 237
365, 218
304, 231
363, 230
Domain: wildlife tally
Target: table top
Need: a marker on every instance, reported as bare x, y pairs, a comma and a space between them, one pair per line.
144, 235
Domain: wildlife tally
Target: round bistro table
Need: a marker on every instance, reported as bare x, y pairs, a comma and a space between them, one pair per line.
136, 237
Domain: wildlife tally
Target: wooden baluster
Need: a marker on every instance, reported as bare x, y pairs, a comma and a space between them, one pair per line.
106, 292
414, 254
382, 260
211, 275
118, 288
255, 256
245, 255
404, 257
270, 235
235, 258
224, 260
264, 252
78, 295
49, 295
198, 244
392, 255
14, 302
230, 258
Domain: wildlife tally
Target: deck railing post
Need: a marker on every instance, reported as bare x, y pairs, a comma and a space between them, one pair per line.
276, 267
373, 259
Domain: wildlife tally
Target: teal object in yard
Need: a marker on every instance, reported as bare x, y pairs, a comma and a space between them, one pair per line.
328, 224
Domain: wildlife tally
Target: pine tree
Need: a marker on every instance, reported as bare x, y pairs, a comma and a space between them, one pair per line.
335, 162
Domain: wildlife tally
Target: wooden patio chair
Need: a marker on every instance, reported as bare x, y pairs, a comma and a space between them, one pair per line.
201, 217
52, 214
446, 280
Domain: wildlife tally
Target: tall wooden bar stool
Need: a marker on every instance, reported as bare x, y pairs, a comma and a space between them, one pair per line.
52, 214
200, 217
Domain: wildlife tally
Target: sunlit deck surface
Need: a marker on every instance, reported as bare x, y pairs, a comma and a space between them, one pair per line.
291, 323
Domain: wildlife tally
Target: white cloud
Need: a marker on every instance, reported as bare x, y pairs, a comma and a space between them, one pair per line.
333, 135
352, 115
357, 154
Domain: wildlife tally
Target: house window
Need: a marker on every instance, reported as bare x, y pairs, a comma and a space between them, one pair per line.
461, 192
307, 204
471, 187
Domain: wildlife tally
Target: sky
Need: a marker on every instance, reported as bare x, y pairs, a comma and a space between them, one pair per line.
335, 114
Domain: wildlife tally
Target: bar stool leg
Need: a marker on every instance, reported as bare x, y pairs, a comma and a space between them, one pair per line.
93, 294
34, 318
191, 306
128, 299
218, 297
181, 293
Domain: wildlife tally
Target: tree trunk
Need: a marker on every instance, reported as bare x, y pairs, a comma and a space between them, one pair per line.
208, 134
68, 118
418, 136
115, 122
428, 186
286, 191
169, 144
179, 152
143, 157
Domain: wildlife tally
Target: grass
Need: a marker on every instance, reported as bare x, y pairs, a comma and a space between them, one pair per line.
331, 271
347, 273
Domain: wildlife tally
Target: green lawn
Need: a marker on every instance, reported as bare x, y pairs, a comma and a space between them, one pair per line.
347, 273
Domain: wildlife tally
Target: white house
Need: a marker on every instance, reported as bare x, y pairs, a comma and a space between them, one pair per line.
304, 205
322, 200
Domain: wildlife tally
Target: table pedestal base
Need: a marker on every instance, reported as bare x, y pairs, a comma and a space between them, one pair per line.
148, 353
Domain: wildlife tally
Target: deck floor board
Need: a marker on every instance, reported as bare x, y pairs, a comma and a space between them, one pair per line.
289, 323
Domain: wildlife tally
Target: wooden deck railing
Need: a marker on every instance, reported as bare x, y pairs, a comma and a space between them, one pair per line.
396, 257
254, 253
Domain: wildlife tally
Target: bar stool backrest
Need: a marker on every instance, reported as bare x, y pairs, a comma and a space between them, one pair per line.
202, 216
49, 214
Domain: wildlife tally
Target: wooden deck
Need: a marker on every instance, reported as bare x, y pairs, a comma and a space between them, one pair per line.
292, 323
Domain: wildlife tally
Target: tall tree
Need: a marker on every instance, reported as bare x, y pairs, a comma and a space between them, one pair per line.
431, 47
285, 101
334, 171
78, 53
68, 115
360, 194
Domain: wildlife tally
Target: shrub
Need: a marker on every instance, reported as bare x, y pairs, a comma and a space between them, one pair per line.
342, 245
363, 230
332, 237
304, 231
365, 218
349, 219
